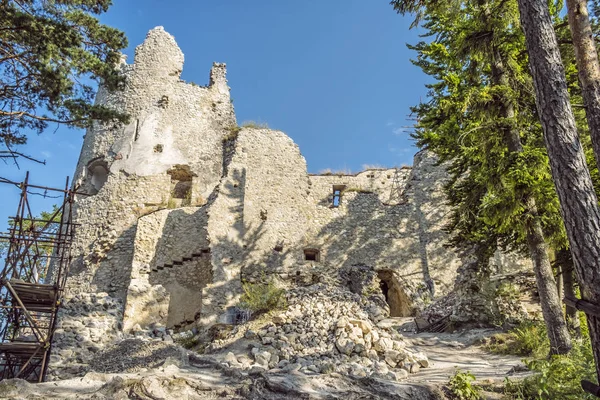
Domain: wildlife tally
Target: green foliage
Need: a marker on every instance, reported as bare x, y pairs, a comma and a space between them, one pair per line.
339, 172
187, 198
189, 342
51, 52
480, 99
506, 304
232, 134
529, 339
262, 297
557, 377
41, 249
461, 386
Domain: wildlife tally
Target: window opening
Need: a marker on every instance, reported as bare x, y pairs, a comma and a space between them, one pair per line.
337, 194
312, 255
181, 182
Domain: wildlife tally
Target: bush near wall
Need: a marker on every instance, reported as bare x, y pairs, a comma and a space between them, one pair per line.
557, 377
262, 297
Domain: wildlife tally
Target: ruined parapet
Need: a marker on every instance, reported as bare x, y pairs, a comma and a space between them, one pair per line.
172, 122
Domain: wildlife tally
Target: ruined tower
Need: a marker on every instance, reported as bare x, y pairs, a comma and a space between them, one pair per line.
169, 156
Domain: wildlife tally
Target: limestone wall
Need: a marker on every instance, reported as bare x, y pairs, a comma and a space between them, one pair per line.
268, 210
256, 219
171, 265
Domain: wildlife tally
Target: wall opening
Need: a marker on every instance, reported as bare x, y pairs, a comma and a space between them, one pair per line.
312, 255
337, 194
395, 296
181, 182
98, 171
236, 316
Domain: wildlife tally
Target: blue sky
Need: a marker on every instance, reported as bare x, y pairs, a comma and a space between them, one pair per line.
335, 75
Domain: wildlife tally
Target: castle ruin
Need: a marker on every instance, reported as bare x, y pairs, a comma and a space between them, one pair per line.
183, 205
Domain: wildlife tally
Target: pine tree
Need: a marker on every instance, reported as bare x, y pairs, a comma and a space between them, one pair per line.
578, 201
51, 52
481, 118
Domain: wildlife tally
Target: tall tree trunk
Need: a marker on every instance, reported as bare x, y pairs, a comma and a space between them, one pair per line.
564, 260
578, 202
587, 67
558, 333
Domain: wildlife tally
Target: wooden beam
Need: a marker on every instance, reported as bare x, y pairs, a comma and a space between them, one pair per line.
583, 305
590, 388
28, 361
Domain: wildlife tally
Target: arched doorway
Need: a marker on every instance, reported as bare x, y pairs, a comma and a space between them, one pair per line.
395, 295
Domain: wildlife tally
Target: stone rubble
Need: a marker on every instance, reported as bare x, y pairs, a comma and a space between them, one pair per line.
87, 323
324, 330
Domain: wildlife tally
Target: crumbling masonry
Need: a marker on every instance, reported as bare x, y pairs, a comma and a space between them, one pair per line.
184, 205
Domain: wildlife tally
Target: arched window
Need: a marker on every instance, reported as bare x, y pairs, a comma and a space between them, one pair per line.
98, 172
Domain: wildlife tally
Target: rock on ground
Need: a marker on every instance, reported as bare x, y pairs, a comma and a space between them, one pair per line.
204, 380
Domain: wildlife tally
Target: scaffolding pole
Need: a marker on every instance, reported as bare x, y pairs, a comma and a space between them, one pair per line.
32, 281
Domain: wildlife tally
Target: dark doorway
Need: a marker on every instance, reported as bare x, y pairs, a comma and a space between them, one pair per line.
400, 303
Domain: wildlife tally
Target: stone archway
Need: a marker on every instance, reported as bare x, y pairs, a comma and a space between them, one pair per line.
395, 294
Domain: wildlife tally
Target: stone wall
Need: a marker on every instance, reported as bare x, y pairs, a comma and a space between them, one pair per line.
171, 265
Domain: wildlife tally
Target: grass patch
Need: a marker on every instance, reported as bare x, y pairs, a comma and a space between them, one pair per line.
232, 133
339, 172
529, 339
188, 342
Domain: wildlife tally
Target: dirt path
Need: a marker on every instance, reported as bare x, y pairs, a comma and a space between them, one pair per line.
449, 351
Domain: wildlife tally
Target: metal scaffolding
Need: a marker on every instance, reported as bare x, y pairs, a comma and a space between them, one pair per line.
32, 281
397, 189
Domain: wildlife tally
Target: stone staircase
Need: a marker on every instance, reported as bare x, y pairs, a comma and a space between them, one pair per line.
176, 263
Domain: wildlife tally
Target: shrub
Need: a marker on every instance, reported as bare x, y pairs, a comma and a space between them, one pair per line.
462, 388
188, 342
262, 297
528, 339
558, 377
232, 133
